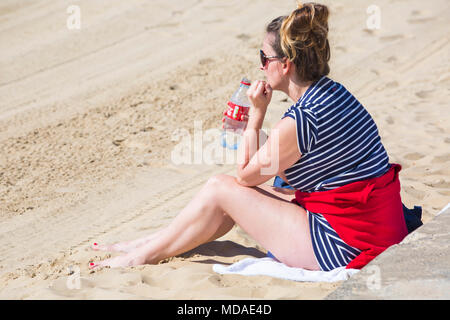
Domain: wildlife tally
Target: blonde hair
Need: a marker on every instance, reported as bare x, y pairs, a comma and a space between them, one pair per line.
302, 38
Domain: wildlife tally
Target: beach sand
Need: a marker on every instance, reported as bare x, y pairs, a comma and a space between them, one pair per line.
88, 119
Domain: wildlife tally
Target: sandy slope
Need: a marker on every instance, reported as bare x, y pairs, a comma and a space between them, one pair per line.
87, 119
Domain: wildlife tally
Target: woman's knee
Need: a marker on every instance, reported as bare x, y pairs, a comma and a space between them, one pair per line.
221, 180
219, 184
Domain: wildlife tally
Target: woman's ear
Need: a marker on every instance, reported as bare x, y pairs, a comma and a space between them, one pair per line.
287, 66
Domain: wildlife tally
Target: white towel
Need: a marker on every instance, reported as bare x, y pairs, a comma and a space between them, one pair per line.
270, 267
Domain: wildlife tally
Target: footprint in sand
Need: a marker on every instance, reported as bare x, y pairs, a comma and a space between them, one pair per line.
438, 183
441, 159
168, 25
390, 120
369, 31
216, 280
391, 37
414, 156
392, 84
391, 59
205, 61
149, 280
244, 37
420, 16
410, 190
420, 20
424, 94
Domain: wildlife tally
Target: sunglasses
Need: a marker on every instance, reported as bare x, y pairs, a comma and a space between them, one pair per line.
265, 59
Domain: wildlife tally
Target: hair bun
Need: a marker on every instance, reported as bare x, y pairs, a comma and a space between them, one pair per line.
305, 27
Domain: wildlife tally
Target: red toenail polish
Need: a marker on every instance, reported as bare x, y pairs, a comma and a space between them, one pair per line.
91, 264
95, 244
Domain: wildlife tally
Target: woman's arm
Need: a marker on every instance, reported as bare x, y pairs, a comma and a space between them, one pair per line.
278, 153
260, 157
252, 139
259, 94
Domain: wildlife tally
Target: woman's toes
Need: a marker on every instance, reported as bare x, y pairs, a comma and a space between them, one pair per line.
97, 247
119, 261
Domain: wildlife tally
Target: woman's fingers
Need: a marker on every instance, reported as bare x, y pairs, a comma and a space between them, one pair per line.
268, 91
260, 88
255, 89
252, 88
260, 94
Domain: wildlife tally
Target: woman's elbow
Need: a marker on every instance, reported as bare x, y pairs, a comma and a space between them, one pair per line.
242, 182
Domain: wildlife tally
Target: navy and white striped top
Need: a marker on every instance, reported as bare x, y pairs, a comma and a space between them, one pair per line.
337, 138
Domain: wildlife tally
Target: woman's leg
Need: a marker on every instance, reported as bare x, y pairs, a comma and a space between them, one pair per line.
125, 246
264, 212
128, 246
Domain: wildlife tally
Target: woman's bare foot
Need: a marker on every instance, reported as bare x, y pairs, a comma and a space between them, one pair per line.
126, 246
131, 259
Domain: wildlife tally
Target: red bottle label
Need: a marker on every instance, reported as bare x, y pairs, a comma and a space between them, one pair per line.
236, 112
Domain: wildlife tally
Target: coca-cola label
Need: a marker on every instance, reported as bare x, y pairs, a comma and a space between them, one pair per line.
236, 112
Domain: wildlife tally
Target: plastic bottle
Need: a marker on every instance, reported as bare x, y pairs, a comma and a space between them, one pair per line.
234, 120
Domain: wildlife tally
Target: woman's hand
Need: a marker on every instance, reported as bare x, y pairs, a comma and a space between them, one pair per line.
260, 94
244, 119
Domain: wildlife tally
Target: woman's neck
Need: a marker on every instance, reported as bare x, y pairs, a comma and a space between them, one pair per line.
296, 89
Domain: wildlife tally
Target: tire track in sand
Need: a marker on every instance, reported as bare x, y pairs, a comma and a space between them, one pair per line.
28, 250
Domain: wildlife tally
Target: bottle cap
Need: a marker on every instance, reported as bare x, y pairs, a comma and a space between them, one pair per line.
245, 82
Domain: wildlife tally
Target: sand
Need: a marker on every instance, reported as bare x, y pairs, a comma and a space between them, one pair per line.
88, 117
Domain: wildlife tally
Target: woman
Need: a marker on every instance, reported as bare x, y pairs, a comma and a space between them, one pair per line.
327, 144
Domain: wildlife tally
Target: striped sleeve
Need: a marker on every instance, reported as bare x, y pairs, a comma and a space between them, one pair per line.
306, 125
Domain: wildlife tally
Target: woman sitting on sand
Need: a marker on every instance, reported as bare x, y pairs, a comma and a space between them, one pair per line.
346, 206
